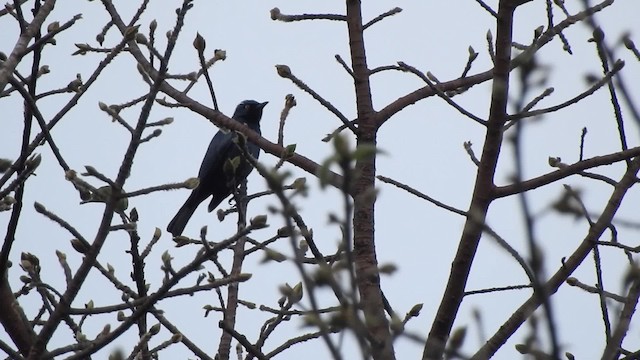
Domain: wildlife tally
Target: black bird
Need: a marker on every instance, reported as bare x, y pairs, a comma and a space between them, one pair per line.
213, 181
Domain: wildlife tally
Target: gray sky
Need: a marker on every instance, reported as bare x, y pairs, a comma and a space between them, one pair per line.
422, 147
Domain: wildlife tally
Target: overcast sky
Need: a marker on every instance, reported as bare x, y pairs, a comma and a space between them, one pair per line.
423, 147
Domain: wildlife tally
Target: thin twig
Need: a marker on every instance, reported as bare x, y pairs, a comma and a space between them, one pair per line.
344, 65
277, 15
583, 135
605, 80
242, 340
487, 8
289, 103
417, 193
594, 290
285, 72
496, 289
380, 17
441, 94
565, 171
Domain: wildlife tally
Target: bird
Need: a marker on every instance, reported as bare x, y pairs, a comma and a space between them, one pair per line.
213, 180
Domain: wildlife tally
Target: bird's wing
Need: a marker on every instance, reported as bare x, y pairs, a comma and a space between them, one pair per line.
217, 152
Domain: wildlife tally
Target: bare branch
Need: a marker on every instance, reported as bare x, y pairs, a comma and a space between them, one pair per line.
395, 10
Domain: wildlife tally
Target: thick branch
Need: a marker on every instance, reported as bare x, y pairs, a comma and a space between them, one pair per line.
364, 252
123, 173
388, 111
565, 171
568, 267
482, 193
19, 50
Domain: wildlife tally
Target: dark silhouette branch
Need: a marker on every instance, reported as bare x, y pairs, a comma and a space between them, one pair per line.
366, 263
391, 109
565, 171
482, 193
568, 267
285, 72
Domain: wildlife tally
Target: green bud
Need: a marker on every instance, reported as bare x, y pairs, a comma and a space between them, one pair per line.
598, 34
290, 101
457, 338
259, 222
272, 255
155, 329
220, 54
122, 205
181, 240
285, 290
248, 304
472, 54
207, 310
133, 215
275, 13
628, 43
538, 31
141, 39
365, 151
554, 161
5, 164
283, 71
166, 257
192, 183
303, 246
284, 232
230, 167
70, 175
296, 293
396, 324
388, 269
199, 43
53, 26
323, 173
289, 151
415, 310
220, 214
61, 256
105, 330
341, 145
156, 234
130, 32
33, 162
80, 246
39, 207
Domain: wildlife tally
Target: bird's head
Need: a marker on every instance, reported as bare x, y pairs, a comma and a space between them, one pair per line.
249, 111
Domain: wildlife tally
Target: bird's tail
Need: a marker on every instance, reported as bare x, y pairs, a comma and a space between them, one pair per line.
178, 223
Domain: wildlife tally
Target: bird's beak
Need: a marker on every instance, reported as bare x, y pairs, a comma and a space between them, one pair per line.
263, 105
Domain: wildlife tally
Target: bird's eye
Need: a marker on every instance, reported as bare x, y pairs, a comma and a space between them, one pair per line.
247, 106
